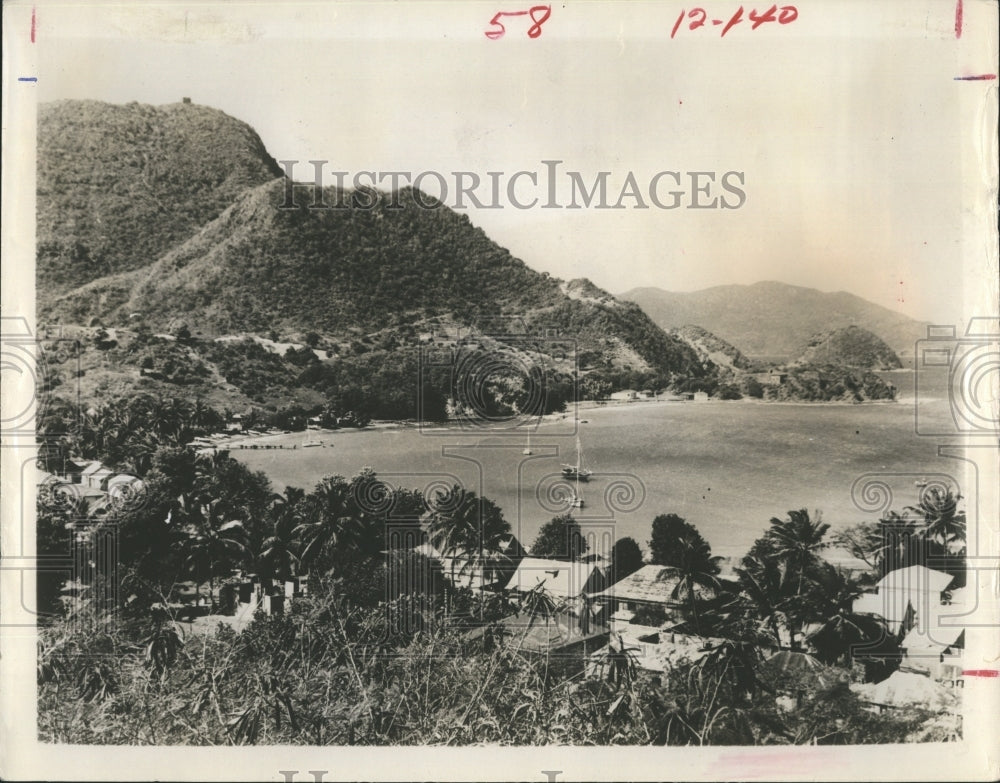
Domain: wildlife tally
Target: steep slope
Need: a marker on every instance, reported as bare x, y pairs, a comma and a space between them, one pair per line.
376, 266
120, 185
772, 319
852, 347
711, 348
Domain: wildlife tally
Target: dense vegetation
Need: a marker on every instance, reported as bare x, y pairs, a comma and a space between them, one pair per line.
712, 348
384, 650
850, 346
829, 383
118, 186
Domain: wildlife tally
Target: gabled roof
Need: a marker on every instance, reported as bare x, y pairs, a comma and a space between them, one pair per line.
915, 579
540, 635
938, 639
893, 606
561, 578
657, 649
94, 467
652, 584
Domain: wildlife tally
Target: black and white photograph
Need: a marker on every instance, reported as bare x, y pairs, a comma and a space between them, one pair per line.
439, 391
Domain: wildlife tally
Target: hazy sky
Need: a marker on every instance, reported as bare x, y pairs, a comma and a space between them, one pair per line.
847, 123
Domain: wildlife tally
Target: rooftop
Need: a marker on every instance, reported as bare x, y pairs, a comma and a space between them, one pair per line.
561, 578
652, 584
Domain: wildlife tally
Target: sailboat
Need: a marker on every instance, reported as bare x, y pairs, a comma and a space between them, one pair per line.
579, 473
527, 446
311, 442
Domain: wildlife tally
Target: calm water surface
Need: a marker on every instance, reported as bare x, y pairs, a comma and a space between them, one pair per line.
727, 467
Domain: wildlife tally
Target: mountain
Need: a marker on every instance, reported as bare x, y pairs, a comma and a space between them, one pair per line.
774, 319
370, 268
119, 186
160, 224
850, 346
711, 348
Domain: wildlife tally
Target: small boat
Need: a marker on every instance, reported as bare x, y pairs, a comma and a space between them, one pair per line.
309, 443
576, 472
527, 446
576, 501
921, 483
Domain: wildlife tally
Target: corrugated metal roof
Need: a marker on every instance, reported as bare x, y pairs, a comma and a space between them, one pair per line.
652, 584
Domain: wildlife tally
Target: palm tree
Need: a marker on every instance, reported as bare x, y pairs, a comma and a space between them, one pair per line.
329, 518
468, 529
763, 582
797, 541
212, 544
842, 630
901, 542
696, 567
939, 510
276, 558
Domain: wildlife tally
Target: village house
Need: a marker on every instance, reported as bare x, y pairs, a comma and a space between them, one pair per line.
653, 649
628, 395
771, 378
561, 579
491, 573
651, 587
905, 596
923, 613
567, 640
94, 475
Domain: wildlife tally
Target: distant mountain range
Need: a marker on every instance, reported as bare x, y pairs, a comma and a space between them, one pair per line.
775, 319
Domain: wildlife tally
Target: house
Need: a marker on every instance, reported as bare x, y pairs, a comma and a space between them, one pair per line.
652, 586
73, 470
48, 480
95, 475
566, 641
655, 650
628, 395
771, 378
937, 652
491, 573
905, 597
562, 579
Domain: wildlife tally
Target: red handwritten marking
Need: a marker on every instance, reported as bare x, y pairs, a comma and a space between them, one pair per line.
981, 672
983, 77
699, 17
958, 19
533, 32
734, 20
32, 25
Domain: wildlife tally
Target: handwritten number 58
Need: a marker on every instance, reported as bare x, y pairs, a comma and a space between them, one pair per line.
539, 15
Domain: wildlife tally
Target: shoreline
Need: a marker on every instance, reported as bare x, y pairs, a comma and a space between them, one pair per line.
281, 439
